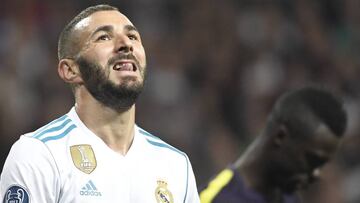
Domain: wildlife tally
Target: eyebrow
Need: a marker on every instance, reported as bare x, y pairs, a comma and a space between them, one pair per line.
105, 28
110, 28
131, 28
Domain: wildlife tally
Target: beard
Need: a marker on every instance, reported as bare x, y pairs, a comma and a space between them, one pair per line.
117, 97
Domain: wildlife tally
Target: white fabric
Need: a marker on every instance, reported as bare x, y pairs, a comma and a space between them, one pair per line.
41, 163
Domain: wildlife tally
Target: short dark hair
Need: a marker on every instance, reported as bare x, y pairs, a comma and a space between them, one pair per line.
67, 47
299, 107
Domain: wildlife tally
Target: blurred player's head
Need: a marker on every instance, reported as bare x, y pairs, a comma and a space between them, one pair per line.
302, 134
100, 51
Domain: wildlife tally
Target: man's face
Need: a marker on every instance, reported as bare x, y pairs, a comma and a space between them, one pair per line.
303, 158
112, 59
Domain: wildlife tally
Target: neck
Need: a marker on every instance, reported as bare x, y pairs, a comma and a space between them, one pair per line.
115, 128
252, 168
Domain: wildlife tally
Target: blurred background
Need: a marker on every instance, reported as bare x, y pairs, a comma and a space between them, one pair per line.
215, 70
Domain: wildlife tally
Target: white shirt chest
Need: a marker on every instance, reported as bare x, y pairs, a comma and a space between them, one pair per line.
97, 174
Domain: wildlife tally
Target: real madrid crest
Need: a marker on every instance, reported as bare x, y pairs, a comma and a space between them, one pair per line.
83, 157
162, 194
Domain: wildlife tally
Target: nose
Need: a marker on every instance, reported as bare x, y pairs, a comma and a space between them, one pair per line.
123, 44
315, 175
316, 172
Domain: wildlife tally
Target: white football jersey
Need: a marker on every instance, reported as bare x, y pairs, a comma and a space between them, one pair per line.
64, 162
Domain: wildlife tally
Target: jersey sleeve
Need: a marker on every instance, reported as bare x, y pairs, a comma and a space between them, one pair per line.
29, 174
192, 193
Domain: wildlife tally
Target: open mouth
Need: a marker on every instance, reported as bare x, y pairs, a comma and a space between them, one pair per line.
125, 66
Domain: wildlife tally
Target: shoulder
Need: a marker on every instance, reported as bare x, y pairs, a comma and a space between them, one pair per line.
34, 147
158, 144
29, 168
28, 159
216, 186
30, 150
55, 130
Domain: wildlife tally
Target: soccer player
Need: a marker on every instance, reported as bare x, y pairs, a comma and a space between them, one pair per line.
302, 134
96, 153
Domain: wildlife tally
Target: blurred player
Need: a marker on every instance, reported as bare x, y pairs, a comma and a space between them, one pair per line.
96, 152
302, 133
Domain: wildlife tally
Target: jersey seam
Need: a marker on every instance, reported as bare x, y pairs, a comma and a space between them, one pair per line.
187, 176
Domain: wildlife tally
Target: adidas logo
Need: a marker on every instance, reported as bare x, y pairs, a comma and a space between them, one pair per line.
89, 190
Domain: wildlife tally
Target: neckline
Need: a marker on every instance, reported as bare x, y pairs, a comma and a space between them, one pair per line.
92, 136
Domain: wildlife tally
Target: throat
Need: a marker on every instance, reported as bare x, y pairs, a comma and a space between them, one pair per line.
118, 142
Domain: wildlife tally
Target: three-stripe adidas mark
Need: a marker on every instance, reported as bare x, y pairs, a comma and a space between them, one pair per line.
89, 190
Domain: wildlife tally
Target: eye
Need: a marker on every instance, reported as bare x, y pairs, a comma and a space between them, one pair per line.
103, 37
315, 160
133, 37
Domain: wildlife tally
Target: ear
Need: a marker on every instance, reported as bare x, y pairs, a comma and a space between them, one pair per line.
281, 134
68, 70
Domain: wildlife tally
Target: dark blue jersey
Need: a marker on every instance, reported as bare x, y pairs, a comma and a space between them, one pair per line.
228, 187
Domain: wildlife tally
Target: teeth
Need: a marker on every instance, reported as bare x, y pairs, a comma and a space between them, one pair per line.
118, 66
124, 66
